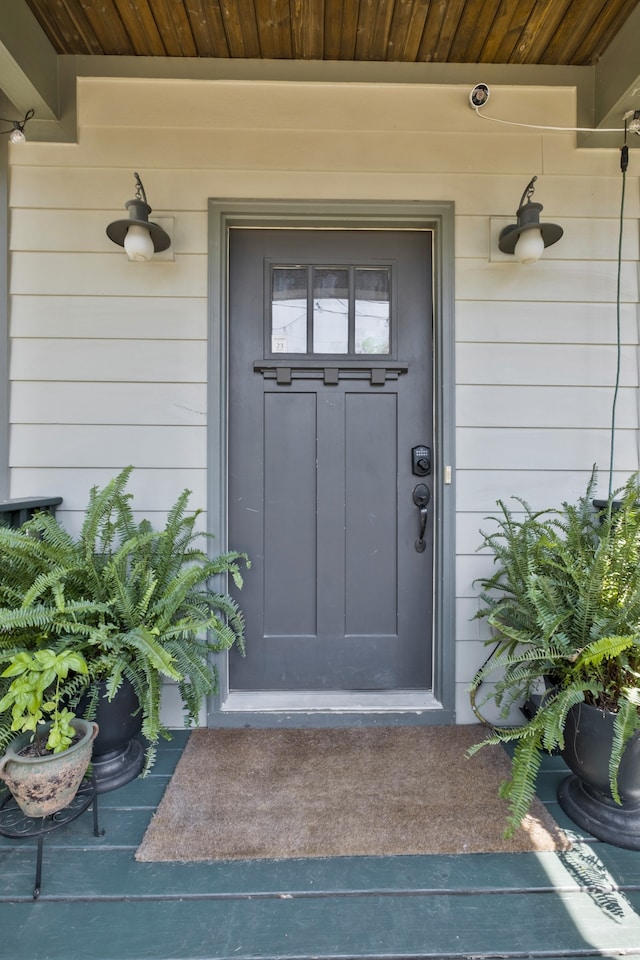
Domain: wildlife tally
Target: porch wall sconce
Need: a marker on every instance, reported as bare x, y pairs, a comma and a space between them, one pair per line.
527, 238
16, 130
139, 236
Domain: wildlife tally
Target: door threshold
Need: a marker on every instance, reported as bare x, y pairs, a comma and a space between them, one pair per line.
337, 701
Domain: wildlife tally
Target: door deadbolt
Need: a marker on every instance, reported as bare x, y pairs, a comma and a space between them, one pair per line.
421, 461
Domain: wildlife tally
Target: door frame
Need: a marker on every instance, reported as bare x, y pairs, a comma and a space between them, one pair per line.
438, 217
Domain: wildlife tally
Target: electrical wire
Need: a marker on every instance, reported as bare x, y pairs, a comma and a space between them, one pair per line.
624, 162
537, 126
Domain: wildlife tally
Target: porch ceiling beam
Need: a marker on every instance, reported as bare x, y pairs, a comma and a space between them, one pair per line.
617, 77
28, 62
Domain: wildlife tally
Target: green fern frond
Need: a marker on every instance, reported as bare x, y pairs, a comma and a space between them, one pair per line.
604, 648
520, 789
626, 722
141, 604
563, 602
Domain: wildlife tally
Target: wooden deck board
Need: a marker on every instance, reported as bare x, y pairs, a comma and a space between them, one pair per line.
114, 874
583, 903
322, 926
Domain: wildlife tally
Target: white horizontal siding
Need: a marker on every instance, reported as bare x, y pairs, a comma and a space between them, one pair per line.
73, 521
489, 405
478, 490
153, 490
113, 317
592, 239
274, 149
469, 525
504, 448
96, 274
574, 322
485, 194
557, 364
551, 281
109, 359
46, 230
561, 157
79, 445
153, 361
166, 404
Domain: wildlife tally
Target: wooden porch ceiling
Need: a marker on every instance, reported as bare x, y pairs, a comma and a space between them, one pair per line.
561, 32
589, 44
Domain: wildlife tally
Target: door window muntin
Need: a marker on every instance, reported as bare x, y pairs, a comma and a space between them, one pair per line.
323, 310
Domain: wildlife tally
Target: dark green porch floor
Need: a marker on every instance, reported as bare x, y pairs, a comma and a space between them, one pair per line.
97, 903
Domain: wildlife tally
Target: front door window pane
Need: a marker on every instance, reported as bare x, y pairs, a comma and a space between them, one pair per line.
289, 310
330, 310
372, 302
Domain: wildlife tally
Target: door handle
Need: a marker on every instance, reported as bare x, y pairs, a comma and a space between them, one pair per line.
421, 497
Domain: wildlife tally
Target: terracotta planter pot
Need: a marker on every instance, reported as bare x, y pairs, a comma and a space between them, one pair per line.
585, 796
43, 785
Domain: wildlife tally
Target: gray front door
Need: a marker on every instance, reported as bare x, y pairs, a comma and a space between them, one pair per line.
330, 389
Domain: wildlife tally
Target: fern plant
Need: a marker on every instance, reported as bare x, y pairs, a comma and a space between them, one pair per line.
564, 608
137, 603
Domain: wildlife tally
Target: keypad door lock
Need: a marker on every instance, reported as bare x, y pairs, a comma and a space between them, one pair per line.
421, 461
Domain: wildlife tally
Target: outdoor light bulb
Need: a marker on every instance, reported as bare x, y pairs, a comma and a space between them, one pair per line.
530, 246
17, 136
138, 243
634, 124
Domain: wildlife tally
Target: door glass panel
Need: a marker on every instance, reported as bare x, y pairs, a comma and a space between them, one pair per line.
372, 309
349, 313
330, 310
289, 310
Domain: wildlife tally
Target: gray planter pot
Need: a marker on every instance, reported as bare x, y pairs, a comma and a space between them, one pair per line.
585, 795
118, 754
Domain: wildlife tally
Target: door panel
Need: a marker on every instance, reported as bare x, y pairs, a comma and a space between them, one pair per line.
371, 478
330, 346
289, 520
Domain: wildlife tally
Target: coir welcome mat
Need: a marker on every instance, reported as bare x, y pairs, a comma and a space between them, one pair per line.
370, 791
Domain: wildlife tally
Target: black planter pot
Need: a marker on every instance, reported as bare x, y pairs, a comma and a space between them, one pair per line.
585, 796
118, 756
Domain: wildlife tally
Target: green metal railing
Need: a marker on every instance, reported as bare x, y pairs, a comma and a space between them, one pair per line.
13, 513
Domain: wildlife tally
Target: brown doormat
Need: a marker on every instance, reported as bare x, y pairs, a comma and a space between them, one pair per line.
370, 791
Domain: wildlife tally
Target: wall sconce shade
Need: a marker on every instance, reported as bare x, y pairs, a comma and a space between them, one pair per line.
527, 238
139, 236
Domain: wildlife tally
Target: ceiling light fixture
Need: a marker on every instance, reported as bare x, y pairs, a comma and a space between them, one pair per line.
527, 238
139, 236
16, 130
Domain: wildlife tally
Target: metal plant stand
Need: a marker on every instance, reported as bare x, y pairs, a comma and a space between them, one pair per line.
17, 825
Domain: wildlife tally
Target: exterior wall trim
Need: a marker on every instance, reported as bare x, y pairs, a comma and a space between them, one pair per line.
439, 217
4, 321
